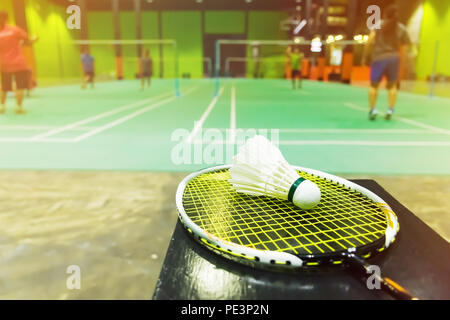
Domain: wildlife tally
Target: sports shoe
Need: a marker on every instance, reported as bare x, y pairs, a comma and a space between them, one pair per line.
389, 113
373, 114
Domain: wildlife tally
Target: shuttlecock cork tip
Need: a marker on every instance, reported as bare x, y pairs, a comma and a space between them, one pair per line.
307, 195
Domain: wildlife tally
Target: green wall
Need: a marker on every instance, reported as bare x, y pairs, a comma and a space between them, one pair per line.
101, 27
185, 27
55, 54
6, 5
265, 25
189, 40
129, 52
225, 22
57, 57
435, 27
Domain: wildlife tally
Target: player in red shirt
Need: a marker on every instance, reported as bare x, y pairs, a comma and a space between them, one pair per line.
12, 61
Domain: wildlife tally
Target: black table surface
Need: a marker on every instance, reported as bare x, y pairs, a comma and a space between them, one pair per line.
419, 260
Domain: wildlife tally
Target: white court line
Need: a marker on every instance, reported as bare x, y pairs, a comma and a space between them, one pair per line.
342, 131
128, 117
27, 140
72, 140
233, 114
370, 131
423, 125
199, 124
37, 128
348, 143
405, 120
14, 140
367, 143
97, 117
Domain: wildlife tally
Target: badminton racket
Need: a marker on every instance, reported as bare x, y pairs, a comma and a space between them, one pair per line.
349, 225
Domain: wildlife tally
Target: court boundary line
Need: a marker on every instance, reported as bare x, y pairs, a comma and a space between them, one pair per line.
130, 116
199, 124
233, 114
368, 143
97, 117
366, 131
339, 131
36, 128
27, 140
344, 143
402, 119
96, 130
375, 143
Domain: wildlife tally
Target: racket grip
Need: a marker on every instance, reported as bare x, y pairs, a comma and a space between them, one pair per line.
397, 290
388, 285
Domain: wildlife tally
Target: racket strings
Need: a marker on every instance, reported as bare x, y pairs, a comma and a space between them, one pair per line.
342, 220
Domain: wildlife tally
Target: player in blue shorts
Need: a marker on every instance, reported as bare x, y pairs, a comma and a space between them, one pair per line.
384, 45
88, 63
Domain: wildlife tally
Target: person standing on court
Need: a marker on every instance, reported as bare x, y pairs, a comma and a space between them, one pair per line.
146, 64
384, 47
296, 58
13, 65
256, 54
88, 63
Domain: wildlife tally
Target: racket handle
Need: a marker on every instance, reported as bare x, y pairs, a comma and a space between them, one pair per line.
397, 290
388, 285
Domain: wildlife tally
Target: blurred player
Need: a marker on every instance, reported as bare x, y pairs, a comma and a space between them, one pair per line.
13, 65
296, 58
384, 45
88, 63
146, 64
256, 55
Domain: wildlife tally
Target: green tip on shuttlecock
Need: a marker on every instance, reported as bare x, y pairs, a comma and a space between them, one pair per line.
260, 169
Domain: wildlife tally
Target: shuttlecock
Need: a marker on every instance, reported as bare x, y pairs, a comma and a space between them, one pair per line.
259, 169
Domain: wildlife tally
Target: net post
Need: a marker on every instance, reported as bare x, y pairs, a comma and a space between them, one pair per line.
210, 67
227, 67
433, 73
217, 69
177, 70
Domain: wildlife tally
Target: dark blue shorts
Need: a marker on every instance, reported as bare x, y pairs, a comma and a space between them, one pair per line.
385, 67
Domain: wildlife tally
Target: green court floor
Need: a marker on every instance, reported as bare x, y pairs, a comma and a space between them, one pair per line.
324, 126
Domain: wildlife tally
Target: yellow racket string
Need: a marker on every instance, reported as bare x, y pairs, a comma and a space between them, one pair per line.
343, 219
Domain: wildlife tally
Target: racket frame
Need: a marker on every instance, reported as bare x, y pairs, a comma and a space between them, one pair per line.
284, 259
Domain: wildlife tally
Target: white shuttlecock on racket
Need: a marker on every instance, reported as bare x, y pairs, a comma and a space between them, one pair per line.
259, 169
